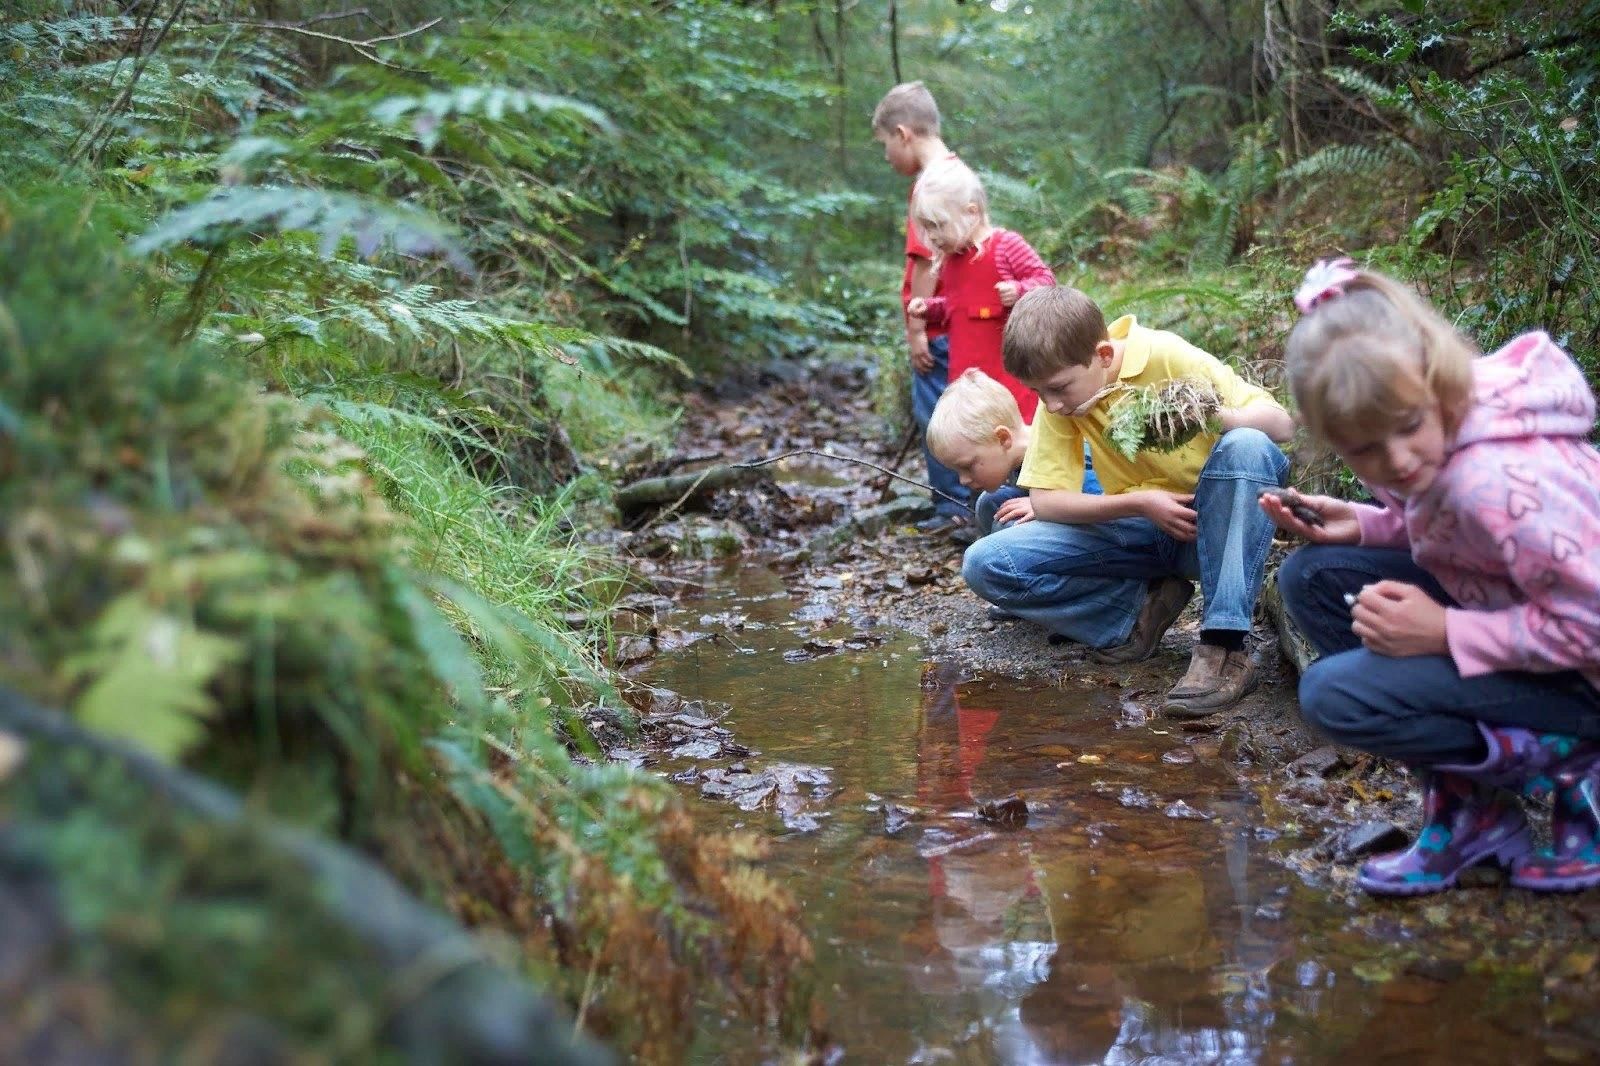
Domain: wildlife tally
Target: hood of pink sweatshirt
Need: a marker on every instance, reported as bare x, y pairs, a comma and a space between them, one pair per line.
1529, 388
1511, 525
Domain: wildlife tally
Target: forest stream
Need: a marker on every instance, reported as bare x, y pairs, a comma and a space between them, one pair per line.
998, 865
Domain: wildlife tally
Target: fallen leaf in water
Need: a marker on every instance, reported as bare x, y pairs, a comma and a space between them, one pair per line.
1577, 964
1091, 759
1372, 971
698, 749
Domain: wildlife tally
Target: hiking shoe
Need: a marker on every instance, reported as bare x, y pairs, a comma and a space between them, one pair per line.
1165, 601
941, 523
1000, 614
1216, 679
964, 535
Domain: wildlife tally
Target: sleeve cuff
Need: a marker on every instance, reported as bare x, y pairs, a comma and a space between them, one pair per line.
1381, 527
1474, 646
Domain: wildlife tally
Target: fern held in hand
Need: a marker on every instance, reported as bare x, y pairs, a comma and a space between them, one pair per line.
1162, 417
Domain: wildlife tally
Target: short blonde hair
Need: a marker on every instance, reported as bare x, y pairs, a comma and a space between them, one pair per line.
908, 104
972, 407
1050, 329
1364, 359
942, 192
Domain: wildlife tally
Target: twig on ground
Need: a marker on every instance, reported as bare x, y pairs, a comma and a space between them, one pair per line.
899, 457
851, 459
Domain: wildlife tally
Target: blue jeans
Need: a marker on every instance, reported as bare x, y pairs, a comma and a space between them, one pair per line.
1418, 709
925, 392
989, 502
1088, 582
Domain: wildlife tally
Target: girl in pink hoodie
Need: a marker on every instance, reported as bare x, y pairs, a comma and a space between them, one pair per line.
1458, 617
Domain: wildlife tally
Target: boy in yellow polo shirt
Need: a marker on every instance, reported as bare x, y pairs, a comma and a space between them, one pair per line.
1114, 571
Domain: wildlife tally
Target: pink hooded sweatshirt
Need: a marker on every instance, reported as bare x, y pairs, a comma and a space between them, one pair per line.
1511, 525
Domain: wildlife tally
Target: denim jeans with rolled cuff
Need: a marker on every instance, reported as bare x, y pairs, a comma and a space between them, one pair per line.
926, 388
1088, 582
1418, 709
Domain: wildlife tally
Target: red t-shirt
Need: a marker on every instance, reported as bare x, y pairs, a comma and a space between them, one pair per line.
915, 250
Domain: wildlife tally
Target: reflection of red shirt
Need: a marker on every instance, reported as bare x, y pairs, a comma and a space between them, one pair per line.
915, 250
971, 310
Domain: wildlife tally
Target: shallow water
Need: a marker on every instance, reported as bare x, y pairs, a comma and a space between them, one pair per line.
1137, 916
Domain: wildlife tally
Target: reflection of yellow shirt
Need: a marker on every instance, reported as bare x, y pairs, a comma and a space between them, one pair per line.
1149, 357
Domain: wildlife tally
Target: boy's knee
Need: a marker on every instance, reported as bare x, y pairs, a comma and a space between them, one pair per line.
980, 567
1248, 450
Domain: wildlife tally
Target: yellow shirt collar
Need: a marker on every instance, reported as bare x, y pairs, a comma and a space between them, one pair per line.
1135, 348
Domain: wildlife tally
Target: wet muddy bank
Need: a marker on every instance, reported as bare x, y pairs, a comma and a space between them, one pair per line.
816, 670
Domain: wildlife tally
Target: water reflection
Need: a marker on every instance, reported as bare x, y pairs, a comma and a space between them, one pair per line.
1105, 930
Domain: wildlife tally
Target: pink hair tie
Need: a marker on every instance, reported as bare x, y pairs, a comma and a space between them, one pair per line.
1324, 280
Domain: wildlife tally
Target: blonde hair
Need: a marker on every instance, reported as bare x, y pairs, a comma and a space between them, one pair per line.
942, 192
1051, 329
1365, 358
972, 407
908, 104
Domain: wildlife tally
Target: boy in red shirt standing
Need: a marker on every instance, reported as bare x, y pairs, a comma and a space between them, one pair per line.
906, 123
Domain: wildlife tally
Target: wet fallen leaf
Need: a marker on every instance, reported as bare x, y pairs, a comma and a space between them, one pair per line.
1372, 971
698, 749
1577, 964
1091, 759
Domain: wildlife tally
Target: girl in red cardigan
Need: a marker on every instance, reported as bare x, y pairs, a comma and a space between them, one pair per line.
983, 270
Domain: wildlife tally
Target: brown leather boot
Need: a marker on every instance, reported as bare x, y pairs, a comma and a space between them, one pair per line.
1165, 601
1216, 679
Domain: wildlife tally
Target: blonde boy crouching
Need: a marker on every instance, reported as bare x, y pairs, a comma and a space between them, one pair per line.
977, 431
1114, 571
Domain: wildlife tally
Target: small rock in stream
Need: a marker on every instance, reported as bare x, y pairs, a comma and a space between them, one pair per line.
1315, 762
895, 818
1180, 809
1137, 798
1368, 838
1011, 811
1179, 756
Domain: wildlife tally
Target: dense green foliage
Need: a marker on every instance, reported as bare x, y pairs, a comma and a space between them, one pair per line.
314, 325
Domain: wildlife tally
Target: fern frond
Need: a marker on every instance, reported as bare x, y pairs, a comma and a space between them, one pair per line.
493, 102
332, 216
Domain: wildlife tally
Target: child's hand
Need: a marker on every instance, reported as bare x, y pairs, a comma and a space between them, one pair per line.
917, 307
1016, 510
1008, 291
1172, 512
1338, 523
1399, 620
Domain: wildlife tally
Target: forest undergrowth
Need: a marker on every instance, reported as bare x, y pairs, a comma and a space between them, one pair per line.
323, 334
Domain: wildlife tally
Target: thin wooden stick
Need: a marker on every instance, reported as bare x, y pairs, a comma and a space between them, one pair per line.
858, 461
899, 457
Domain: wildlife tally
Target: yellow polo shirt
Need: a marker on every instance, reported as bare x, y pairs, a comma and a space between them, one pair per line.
1149, 357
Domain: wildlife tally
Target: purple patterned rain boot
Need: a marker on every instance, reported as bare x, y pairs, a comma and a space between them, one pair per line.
1464, 822
1573, 860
